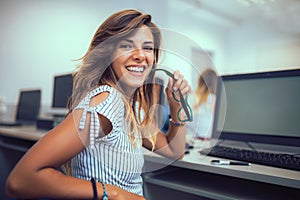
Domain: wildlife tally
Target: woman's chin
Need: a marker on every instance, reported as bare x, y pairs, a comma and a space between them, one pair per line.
131, 84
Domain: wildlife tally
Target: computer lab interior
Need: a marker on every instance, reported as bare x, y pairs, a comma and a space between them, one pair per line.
254, 47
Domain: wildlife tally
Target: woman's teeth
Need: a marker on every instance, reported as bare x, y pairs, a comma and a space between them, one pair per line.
135, 69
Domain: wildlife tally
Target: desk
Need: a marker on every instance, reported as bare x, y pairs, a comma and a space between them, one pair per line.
194, 177
191, 178
14, 143
30, 133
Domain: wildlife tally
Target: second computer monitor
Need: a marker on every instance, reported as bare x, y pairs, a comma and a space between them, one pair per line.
28, 107
62, 90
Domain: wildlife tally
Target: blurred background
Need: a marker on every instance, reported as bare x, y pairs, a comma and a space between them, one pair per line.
42, 38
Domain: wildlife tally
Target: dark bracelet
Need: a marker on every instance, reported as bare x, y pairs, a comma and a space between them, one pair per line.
94, 189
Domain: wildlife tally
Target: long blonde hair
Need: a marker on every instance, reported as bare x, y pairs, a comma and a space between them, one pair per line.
207, 84
95, 68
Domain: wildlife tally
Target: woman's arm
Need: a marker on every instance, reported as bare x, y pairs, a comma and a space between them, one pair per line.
172, 144
36, 174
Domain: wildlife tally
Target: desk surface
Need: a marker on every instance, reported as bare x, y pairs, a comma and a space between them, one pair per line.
255, 172
23, 132
193, 160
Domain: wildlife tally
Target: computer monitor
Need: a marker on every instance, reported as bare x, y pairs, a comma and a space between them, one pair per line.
28, 107
259, 107
62, 90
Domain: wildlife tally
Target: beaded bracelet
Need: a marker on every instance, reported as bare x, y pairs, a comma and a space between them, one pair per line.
176, 123
105, 195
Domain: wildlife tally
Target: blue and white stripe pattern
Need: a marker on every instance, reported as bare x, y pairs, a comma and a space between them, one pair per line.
111, 158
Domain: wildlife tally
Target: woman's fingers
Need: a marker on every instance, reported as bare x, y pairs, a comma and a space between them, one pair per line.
178, 78
180, 83
185, 88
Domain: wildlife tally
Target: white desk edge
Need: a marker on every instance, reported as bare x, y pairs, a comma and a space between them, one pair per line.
283, 177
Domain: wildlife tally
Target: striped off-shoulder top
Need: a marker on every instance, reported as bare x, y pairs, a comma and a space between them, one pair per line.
112, 158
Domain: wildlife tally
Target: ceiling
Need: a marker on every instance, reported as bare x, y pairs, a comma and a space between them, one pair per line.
282, 15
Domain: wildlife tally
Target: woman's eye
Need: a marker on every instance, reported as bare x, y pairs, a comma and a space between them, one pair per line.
148, 48
125, 46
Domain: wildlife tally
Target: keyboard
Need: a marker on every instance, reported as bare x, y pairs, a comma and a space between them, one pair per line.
286, 161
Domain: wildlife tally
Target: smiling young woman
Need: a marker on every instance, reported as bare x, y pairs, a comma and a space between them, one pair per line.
110, 120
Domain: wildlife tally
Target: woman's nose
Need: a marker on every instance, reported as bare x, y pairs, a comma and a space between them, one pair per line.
138, 54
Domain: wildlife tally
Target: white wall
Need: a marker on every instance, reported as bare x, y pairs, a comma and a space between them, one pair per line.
255, 47
40, 39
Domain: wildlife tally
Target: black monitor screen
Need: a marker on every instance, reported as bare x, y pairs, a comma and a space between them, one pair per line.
262, 106
62, 90
29, 105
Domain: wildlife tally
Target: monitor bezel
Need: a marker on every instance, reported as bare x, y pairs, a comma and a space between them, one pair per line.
53, 106
252, 137
19, 118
